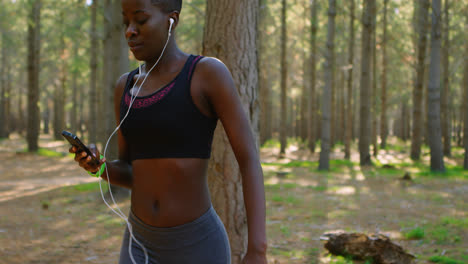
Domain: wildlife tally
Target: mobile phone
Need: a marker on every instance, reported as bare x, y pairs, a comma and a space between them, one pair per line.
76, 142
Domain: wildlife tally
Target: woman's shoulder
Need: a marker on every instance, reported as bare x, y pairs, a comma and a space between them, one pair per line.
212, 71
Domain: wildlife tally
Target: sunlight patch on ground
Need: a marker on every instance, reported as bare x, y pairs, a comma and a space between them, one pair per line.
345, 190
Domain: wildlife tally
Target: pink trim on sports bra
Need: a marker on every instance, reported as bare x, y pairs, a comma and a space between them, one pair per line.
145, 102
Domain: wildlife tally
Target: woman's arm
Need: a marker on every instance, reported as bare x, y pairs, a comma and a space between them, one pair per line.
222, 95
120, 170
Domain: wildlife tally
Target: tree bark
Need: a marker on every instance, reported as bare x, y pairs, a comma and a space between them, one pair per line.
117, 63
349, 105
365, 121
383, 113
324, 161
59, 93
33, 75
416, 140
435, 137
284, 75
374, 81
312, 128
265, 97
93, 104
465, 88
3, 87
445, 111
230, 35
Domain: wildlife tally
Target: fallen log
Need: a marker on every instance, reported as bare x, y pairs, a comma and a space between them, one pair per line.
359, 246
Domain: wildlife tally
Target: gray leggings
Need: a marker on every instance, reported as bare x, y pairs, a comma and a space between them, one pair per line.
203, 240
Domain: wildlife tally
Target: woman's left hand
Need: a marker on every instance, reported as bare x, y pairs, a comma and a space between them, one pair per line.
254, 258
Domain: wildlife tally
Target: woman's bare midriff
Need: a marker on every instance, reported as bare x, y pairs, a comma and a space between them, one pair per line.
171, 191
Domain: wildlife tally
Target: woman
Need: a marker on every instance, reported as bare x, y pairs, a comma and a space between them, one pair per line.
165, 144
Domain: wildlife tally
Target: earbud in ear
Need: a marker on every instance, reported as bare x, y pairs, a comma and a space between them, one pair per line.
171, 20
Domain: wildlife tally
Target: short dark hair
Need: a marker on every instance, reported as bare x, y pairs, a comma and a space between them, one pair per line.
168, 5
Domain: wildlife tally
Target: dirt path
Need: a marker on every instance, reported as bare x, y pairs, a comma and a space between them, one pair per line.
45, 219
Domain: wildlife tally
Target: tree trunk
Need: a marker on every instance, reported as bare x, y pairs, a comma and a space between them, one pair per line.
74, 84
116, 62
59, 95
349, 105
383, 113
435, 137
284, 75
365, 121
33, 75
445, 111
264, 87
374, 82
230, 35
93, 104
416, 140
341, 104
3, 91
324, 161
312, 127
465, 99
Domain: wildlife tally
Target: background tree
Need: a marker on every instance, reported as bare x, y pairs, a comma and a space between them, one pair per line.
311, 131
34, 27
365, 94
284, 82
435, 137
465, 97
93, 64
350, 67
324, 161
224, 17
416, 141
383, 113
445, 93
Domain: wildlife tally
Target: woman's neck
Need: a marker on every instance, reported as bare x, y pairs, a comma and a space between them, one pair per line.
165, 64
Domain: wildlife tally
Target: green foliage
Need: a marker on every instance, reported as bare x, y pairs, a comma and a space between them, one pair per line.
416, 233
444, 260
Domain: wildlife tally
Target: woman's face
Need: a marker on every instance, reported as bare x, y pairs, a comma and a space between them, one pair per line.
146, 28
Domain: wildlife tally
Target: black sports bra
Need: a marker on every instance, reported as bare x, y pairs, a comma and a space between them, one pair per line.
167, 124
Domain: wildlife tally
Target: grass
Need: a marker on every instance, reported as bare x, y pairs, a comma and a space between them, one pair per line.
415, 233
444, 260
87, 187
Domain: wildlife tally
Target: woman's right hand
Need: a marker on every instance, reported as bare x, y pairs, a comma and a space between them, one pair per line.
84, 160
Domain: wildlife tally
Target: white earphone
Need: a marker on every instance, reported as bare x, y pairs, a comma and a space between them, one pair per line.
171, 20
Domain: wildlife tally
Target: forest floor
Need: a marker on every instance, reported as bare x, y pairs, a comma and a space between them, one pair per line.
53, 213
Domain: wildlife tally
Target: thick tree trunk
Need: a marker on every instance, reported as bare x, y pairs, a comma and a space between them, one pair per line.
365, 121
418, 126
312, 125
33, 75
435, 137
349, 105
116, 62
445, 111
324, 161
230, 35
284, 75
383, 113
